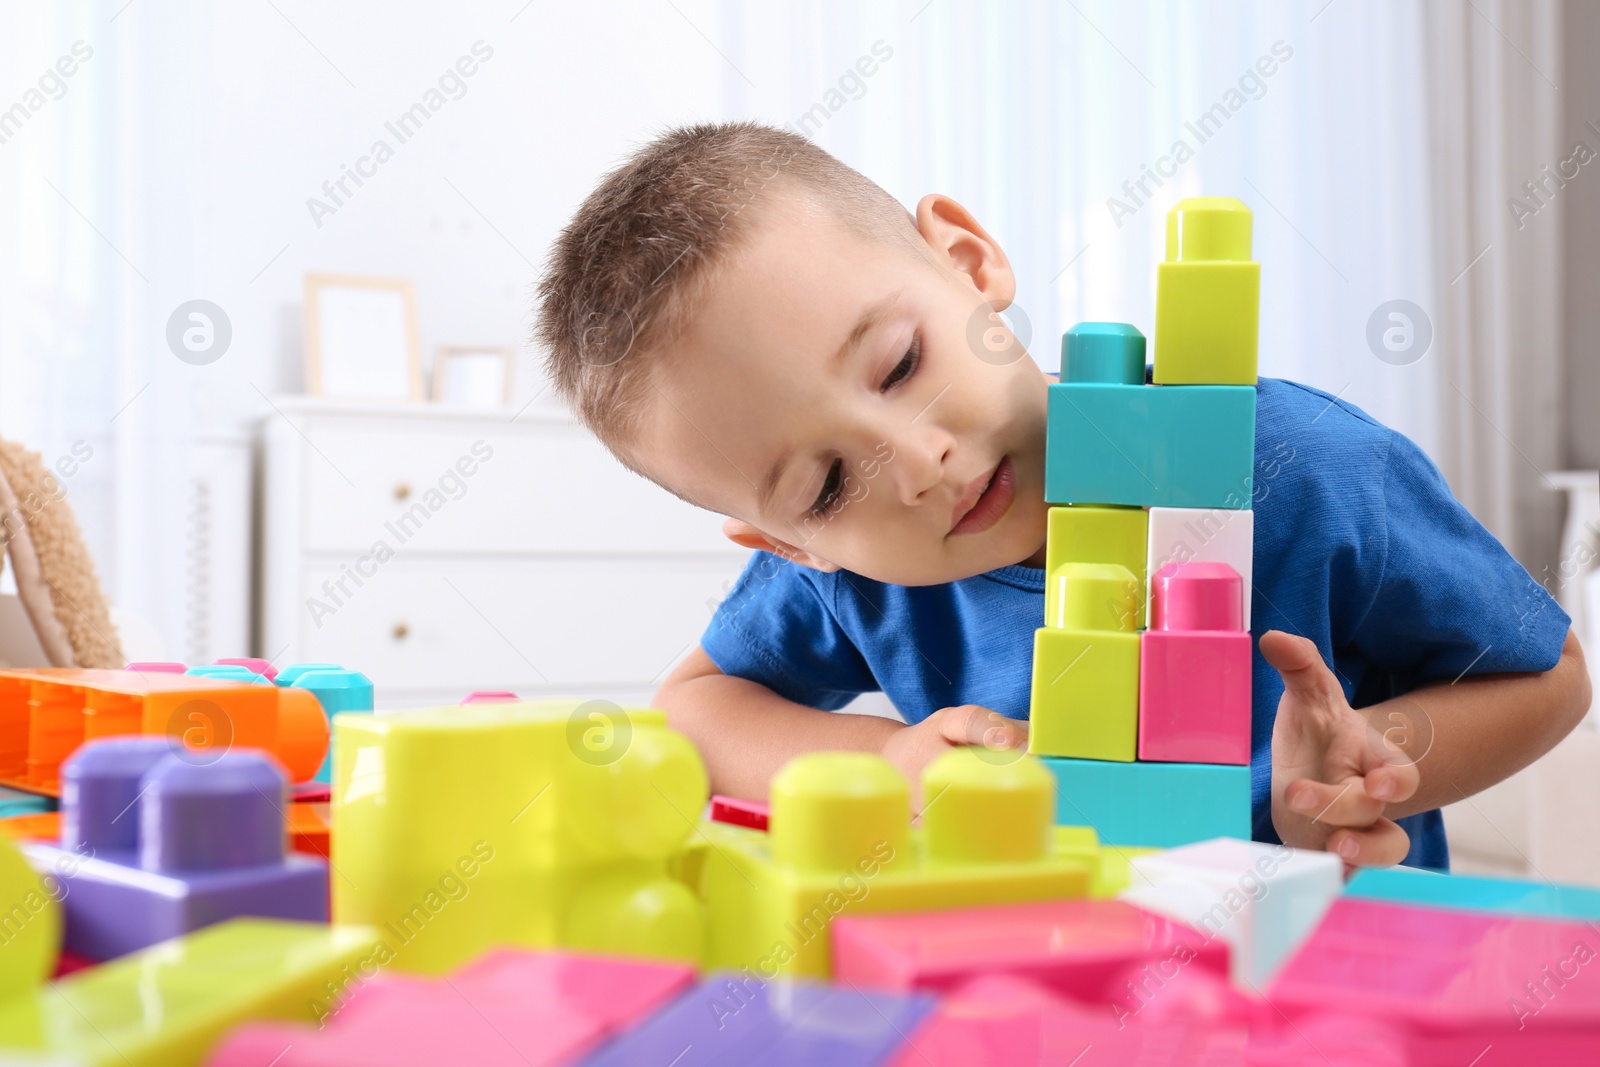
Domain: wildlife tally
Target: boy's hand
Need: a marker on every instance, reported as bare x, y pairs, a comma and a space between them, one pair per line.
911, 748
1332, 773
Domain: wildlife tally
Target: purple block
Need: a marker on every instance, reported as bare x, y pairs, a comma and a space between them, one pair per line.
738, 1019
155, 845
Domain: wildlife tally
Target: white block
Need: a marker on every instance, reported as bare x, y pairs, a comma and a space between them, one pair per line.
1261, 899
1203, 535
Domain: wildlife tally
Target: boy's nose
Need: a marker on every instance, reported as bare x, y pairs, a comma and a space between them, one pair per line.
920, 455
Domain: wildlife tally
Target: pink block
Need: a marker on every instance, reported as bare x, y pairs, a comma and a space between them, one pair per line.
1087, 950
252, 663
509, 1008
1451, 981
1194, 696
1004, 1021
740, 812
157, 668
1194, 667
489, 696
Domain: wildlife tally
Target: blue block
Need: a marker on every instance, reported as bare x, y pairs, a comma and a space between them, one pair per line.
1162, 805
739, 1019
1182, 446
1103, 352
337, 690
1497, 896
232, 671
293, 671
16, 802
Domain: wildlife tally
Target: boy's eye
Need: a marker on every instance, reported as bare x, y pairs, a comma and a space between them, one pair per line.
905, 368
830, 488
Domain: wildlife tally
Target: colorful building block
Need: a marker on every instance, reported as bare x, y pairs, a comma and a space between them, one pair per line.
1208, 296
1087, 534
490, 696
293, 671
1085, 695
1162, 805
46, 713
1080, 949
1194, 668
739, 1019
841, 841
154, 846
1204, 535
168, 1005
509, 1008
738, 811
30, 925
542, 824
1449, 981
1262, 900
1107, 352
1495, 896
1189, 1018
338, 691
153, 667
1150, 445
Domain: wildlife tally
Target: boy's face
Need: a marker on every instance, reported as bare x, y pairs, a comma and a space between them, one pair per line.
849, 403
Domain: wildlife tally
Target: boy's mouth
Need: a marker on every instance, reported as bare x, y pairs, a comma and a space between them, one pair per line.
985, 500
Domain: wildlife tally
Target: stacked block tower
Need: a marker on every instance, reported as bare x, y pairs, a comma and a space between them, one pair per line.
1141, 673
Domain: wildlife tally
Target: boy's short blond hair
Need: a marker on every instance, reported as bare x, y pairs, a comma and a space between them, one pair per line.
638, 254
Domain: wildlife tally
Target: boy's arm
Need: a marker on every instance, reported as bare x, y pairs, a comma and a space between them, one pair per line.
745, 732
1341, 775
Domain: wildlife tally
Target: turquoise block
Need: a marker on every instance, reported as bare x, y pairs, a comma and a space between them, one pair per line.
1161, 805
293, 671
17, 802
1103, 352
1181, 446
1498, 896
338, 691
231, 671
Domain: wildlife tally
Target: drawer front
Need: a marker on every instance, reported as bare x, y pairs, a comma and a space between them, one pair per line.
451, 488
574, 625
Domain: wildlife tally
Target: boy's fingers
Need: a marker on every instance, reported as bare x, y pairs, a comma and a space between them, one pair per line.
1383, 844
1393, 782
1344, 804
971, 724
1298, 661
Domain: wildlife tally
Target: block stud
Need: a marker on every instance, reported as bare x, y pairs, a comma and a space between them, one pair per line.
1107, 352
225, 813
832, 811
100, 798
1095, 596
1208, 228
1197, 596
993, 807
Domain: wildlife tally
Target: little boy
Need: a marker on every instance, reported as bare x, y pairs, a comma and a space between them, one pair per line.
766, 333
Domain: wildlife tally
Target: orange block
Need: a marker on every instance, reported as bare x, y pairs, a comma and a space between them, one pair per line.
46, 713
307, 826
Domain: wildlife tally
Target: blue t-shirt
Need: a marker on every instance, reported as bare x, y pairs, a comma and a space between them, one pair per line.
1359, 546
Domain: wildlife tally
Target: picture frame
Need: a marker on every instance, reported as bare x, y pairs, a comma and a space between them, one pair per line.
362, 340
473, 375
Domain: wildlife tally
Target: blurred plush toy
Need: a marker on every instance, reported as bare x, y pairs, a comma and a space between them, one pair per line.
55, 577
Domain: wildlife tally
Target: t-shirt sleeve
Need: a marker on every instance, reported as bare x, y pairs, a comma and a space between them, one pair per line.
777, 628
1450, 599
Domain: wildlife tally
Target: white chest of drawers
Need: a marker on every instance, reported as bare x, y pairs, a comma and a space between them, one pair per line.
440, 550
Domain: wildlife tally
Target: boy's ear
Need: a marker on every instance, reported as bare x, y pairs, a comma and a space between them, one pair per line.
742, 533
955, 237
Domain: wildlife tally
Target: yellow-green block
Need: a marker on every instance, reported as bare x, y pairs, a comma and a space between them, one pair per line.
1085, 700
841, 843
1208, 296
548, 824
1095, 534
169, 1004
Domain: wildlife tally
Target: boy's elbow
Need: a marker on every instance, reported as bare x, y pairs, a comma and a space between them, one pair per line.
694, 666
1582, 689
